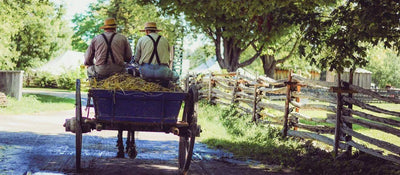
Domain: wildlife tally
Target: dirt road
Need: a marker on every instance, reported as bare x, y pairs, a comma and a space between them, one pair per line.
38, 144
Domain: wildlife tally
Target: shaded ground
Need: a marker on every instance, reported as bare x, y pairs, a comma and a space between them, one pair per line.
38, 144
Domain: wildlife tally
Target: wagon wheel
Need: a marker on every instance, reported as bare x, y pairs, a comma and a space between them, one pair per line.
187, 139
78, 124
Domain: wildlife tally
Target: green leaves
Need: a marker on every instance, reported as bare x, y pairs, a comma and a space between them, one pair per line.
348, 26
33, 32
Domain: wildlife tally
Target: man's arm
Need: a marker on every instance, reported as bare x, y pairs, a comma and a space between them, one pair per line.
128, 52
137, 52
89, 55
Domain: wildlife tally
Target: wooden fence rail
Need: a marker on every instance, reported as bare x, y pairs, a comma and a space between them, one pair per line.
252, 95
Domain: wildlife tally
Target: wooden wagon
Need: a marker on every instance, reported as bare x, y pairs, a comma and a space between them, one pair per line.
139, 111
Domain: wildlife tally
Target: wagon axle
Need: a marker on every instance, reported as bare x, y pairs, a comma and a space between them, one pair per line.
70, 125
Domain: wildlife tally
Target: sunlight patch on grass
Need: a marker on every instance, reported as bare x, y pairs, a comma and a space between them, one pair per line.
34, 103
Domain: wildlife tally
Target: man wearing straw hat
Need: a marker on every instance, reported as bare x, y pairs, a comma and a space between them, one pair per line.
107, 52
153, 56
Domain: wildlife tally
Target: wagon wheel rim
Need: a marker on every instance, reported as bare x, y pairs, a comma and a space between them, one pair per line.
187, 141
78, 125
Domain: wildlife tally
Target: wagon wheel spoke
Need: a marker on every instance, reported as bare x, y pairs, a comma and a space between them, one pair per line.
78, 125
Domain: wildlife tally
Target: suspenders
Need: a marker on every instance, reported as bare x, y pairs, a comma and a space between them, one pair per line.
155, 44
109, 50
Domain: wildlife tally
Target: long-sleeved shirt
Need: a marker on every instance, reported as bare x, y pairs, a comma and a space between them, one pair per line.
97, 50
145, 46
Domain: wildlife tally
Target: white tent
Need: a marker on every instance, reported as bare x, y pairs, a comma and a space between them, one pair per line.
70, 60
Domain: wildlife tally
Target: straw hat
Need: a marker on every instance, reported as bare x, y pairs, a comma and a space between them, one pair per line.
150, 26
109, 23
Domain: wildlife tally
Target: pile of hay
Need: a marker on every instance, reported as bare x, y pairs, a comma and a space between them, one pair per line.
127, 82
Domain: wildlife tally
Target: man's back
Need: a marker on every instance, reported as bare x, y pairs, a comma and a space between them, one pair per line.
120, 49
145, 47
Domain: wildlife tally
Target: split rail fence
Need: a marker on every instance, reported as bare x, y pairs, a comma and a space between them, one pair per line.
254, 95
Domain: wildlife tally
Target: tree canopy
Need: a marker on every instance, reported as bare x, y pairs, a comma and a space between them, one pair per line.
32, 32
236, 25
336, 38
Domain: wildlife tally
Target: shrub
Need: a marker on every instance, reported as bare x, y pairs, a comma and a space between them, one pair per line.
45, 80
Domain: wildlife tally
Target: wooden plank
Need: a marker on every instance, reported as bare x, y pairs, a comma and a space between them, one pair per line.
316, 128
313, 106
373, 152
306, 117
382, 144
247, 101
341, 90
219, 93
314, 136
271, 81
371, 93
245, 89
245, 95
224, 80
372, 125
373, 118
217, 101
281, 90
223, 85
225, 74
250, 80
314, 96
313, 83
370, 107
264, 113
271, 105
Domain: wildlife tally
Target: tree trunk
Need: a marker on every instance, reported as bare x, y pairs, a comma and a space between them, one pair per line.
231, 54
269, 64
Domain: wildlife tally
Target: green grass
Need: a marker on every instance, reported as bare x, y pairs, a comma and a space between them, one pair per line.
225, 128
34, 103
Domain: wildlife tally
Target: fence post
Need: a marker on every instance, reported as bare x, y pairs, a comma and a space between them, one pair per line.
255, 103
288, 97
350, 106
338, 116
210, 87
298, 88
234, 88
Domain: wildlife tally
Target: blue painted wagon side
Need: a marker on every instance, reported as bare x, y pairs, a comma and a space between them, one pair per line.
135, 106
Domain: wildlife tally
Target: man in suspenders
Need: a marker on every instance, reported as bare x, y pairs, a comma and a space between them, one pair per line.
153, 56
108, 52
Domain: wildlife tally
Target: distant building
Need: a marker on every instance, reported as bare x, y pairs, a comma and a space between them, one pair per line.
70, 60
361, 77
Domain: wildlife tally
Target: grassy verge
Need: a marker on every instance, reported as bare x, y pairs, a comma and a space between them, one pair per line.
34, 103
48, 89
225, 128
